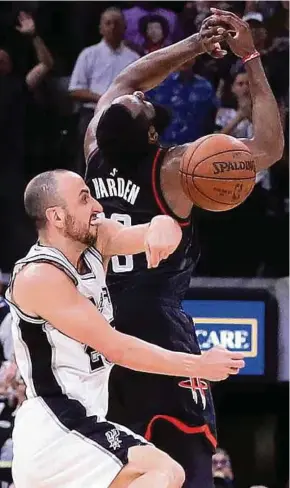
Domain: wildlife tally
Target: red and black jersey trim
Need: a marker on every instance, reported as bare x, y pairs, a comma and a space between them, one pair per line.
157, 191
187, 429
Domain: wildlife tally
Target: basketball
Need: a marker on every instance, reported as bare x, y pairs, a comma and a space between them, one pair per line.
217, 172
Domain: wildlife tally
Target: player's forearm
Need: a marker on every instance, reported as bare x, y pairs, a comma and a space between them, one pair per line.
138, 355
132, 240
128, 240
268, 132
43, 54
84, 96
149, 71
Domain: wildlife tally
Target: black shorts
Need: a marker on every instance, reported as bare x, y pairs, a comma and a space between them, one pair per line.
147, 403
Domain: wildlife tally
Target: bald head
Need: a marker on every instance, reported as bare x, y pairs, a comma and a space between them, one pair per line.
41, 193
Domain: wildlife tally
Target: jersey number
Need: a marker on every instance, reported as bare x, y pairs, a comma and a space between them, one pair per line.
122, 264
96, 360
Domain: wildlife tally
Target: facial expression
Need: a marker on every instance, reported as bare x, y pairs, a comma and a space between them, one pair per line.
154, 32
240, 86
137, 104
221, 463
78, 217
112, 27
5, 63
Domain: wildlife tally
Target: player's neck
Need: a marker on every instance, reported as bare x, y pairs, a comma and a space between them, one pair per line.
70, 249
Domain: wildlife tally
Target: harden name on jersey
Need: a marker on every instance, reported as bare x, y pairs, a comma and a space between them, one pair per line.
118, 187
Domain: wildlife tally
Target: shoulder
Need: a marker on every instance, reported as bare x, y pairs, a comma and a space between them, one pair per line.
173, 156
36, 274
130, 53
90, 51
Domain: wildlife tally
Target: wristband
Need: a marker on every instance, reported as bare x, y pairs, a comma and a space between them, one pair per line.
247, 58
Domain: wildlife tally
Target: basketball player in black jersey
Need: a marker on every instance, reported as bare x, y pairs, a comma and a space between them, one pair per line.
135, 179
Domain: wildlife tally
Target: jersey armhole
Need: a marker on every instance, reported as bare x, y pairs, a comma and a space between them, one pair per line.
157, 191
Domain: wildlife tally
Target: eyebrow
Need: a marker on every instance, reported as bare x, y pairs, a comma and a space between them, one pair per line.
84, 190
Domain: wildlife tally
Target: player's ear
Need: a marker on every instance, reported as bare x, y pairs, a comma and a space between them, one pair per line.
55, 215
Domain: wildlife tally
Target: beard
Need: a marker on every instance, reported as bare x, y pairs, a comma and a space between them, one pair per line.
123, 140
85, 234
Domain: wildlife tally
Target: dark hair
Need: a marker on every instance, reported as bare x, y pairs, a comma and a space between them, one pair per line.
149, 19
113, 10
118, 130
40, 194
122, 138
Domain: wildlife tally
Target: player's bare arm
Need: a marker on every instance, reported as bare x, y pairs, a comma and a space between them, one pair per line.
43, 290
267, 145
158, 239
151, 70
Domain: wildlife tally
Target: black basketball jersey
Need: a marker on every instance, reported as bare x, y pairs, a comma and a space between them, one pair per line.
135, 197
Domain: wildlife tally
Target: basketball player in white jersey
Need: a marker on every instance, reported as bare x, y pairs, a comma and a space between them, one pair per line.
65, 346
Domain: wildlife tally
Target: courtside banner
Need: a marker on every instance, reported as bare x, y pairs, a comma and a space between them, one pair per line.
235, 324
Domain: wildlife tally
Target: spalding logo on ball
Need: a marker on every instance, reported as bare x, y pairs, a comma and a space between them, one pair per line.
217, 172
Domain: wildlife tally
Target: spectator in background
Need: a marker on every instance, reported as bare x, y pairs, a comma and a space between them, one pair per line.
155, 31
134, 14
191, 99
6, 342
237, 121
96, 68
15, 91
222, 469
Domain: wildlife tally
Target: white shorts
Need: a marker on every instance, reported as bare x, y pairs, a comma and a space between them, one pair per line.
67, 451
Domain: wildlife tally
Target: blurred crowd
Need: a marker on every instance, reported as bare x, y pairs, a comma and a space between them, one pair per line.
58, 58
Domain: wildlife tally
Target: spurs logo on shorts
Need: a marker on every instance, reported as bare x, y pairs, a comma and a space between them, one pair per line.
114, 439
198, 388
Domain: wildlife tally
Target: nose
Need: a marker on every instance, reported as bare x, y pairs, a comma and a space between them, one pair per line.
139, 95
97, 207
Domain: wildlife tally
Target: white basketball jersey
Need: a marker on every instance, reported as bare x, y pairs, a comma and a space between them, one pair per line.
52, 364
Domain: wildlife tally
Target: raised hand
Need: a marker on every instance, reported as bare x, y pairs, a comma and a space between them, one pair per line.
241, 43
212, 34
27, 26
218, 364
162, 238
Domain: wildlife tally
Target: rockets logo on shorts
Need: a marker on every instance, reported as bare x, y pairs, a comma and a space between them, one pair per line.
114, 439
197, 387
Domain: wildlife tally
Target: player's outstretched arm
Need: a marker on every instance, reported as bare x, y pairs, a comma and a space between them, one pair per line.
150, 70
158, 239
267, 144
43, 290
